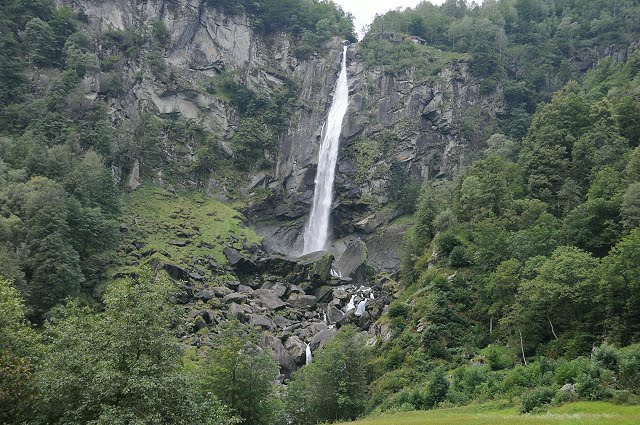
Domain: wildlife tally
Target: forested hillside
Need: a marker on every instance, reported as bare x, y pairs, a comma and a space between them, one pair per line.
498, 150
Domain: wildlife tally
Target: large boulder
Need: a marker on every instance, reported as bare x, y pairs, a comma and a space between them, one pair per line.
352, 263
283, 356
302, 301
235, 297
309, 271
268, 299
262, 322
296, 349
321, 338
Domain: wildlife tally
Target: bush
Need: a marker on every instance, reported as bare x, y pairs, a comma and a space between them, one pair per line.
446, 242
607, 357
567, 372
536, 399
458, 257
498, 357
592, 384
437, 388
629, 373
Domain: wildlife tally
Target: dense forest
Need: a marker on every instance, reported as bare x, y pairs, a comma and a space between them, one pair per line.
520, 277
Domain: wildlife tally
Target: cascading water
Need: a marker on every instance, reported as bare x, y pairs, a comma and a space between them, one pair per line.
308, 354
317, 231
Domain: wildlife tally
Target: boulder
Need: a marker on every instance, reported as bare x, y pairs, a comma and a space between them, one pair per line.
321, 338
268, 299
353, 258
262, 322
278, 288
235, 297
175, 272
241, 312
238, 260
296, 349
334, 315
215, 292
286, 362
302, 301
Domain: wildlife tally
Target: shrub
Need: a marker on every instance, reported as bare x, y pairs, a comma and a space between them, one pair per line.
458, 257
446, 242
629, 373
607, 357
567, 372
498, 357
592, 383
536, 399
437, 388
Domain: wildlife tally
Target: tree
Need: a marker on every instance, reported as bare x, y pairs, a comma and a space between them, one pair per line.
54, 265
560, 296
241, 374
120, 366
18, 352
334, 386
620, 283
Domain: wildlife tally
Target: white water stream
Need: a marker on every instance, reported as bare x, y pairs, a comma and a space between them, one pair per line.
317, 230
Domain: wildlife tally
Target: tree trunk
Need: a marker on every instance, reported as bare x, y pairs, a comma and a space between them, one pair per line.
524, 358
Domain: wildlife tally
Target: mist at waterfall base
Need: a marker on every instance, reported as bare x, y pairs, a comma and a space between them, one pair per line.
317, 230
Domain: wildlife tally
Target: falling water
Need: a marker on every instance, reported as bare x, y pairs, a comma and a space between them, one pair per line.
309, 356
362, 306
317, 230
351, 305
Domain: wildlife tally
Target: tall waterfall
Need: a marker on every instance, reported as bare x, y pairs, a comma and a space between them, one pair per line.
317, 231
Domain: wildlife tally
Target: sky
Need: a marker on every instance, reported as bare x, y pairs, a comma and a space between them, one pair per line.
365, 10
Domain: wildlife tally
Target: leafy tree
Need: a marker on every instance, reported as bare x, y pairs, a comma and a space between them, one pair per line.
620, 273
241, 374
122, 365
18, 353
334, 385
54, 264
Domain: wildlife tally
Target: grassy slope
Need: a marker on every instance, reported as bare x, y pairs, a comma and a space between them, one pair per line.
157, 217
582, 413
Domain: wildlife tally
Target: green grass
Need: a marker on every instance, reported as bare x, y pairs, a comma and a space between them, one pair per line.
157, 217
579, 413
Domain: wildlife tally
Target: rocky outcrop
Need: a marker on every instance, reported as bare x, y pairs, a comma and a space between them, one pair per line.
296, 301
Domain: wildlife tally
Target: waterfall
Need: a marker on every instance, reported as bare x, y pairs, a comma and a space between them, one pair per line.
309, 356
317, 231
351, 305
362, 306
